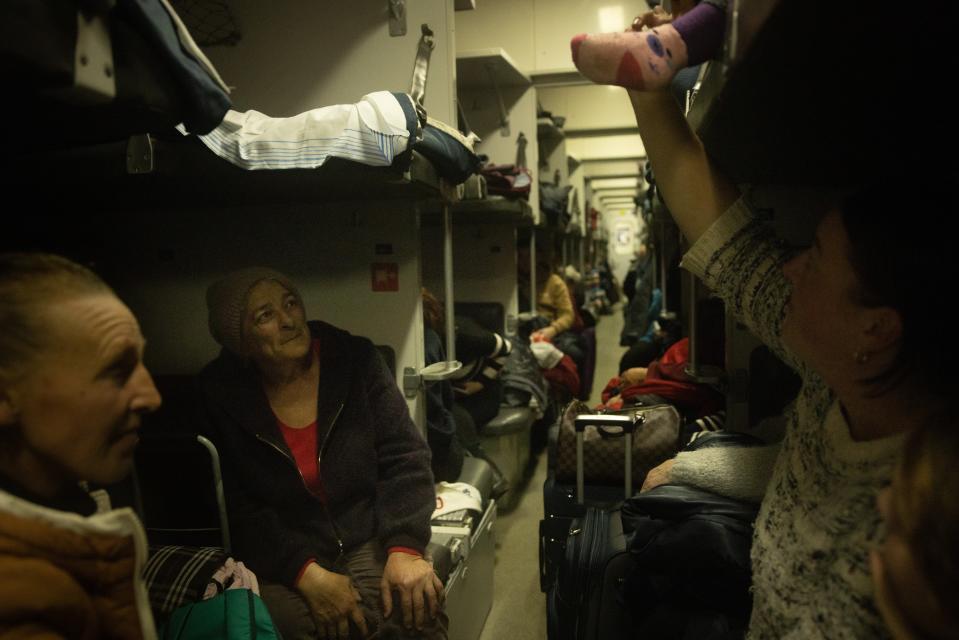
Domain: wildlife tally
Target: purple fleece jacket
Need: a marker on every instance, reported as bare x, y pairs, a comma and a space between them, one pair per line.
374, 463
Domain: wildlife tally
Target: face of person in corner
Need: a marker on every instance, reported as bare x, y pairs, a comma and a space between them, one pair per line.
81, 402
904, 597
274, 327
822, 317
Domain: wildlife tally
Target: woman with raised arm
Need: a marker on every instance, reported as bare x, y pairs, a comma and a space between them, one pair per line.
851, 314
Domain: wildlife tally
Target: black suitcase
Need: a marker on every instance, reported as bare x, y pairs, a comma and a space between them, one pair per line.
560, 505
582, 601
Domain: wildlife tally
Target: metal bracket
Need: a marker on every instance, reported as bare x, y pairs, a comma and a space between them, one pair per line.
397, 10
140, 157
440, 370
94, 75
412, 382
512, 324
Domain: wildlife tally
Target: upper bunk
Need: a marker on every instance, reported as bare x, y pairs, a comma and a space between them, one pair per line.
816, 99
114, 130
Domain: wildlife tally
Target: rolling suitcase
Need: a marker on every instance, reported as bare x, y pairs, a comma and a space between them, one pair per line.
560, 505
580, 605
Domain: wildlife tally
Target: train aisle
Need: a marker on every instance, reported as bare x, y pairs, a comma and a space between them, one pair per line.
519, 607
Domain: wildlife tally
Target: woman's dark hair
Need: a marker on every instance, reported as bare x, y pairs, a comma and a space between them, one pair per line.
905, 258
28, 281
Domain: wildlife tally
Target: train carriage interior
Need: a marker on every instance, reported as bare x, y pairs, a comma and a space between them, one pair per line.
452, 182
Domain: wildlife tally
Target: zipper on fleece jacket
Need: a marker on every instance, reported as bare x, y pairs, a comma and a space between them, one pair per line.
326, 509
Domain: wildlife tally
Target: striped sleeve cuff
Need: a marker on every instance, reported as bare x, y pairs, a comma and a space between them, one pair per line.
725, 227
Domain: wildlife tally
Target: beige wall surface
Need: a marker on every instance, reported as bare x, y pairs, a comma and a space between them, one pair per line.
536, 33
589, 107
298, 55
507, 24
557, 21
612, 168
606, 147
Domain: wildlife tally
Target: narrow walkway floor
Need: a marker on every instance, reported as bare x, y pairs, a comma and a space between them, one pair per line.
519, 607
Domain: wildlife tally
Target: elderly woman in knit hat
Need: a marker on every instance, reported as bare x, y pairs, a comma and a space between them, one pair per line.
328, 480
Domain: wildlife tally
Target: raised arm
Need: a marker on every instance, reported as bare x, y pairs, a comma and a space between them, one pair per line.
694, 189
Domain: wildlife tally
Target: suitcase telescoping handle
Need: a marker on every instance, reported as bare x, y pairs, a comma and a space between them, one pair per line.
625, 422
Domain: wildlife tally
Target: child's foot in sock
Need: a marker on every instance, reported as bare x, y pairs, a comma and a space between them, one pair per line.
642, 60
650, 59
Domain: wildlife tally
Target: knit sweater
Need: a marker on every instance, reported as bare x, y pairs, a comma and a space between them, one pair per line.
554, 303
818, 516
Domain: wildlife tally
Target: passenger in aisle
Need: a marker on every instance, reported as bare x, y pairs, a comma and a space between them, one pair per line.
851, 316
553, 301
328, 481
73, 388
916, 569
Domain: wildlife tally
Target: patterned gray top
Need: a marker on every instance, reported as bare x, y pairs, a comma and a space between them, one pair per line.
818, 517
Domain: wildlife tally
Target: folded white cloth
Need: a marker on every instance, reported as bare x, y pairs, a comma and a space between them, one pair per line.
547, 355
456, 496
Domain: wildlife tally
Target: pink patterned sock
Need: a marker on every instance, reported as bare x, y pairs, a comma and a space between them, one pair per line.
648, 60
634, 59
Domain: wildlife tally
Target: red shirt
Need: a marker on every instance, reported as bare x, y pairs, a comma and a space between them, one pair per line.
302, 443
305, 449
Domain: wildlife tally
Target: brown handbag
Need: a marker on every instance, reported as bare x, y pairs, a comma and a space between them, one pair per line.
655, 440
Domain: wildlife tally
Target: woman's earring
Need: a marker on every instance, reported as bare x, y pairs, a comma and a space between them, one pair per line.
861, 357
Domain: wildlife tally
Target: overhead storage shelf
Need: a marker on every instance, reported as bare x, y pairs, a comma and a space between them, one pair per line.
473, 70
559, 78
776, 115
492, 210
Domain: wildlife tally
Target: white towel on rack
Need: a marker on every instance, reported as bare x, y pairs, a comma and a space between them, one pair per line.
373, 131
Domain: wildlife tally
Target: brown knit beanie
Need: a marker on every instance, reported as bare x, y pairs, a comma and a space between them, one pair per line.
226, 302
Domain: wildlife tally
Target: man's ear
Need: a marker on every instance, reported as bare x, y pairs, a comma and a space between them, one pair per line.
882, 328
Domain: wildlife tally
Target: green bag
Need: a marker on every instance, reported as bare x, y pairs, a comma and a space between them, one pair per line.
233, 614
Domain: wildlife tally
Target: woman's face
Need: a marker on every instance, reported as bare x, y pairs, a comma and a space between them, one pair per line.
903, 596
274, 327
822, 321
79, 404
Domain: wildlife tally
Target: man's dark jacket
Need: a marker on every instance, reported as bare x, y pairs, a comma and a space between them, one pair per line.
374, 463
